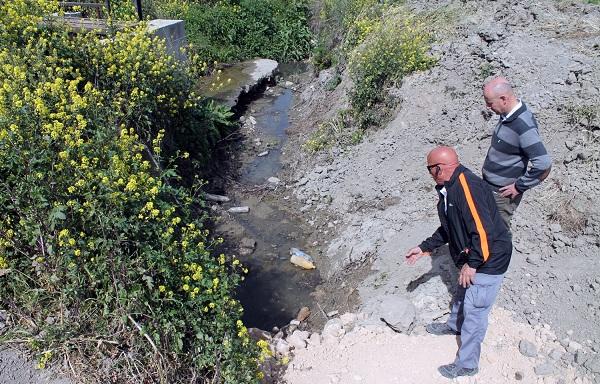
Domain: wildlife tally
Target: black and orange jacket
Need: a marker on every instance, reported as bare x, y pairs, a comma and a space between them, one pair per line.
471, 225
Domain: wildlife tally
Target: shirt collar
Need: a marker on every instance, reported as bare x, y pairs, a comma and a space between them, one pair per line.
516, 107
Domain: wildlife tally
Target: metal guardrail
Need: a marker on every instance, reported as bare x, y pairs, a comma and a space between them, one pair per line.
100, 6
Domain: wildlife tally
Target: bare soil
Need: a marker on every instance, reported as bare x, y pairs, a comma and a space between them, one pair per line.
382, 200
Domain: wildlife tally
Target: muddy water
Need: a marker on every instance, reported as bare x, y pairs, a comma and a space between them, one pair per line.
274, 290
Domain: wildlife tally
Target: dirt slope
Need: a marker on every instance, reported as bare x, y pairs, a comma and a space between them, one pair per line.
384, 202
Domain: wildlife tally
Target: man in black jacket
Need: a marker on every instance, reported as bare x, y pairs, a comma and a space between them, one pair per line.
480, 246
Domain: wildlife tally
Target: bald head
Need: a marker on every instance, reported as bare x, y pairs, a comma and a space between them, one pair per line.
498, 86
499, 96
442, 154
441, 162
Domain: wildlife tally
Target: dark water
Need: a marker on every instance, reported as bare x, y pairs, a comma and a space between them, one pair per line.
274, 290
272, 119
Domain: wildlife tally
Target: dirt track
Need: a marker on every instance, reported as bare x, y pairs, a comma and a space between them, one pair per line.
382, 196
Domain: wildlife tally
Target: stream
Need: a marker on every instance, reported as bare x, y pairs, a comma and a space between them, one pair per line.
274, 290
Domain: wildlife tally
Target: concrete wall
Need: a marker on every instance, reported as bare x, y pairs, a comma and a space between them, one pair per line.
173, 32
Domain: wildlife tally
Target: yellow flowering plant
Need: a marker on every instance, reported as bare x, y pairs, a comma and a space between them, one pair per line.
96, 232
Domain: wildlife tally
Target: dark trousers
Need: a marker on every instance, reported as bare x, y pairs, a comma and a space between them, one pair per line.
506, 205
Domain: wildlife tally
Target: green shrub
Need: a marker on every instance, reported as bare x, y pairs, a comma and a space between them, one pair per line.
379, 43
232, 30
103, 257
396, 47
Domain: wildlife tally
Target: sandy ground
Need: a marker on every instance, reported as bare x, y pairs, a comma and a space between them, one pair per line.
381, 356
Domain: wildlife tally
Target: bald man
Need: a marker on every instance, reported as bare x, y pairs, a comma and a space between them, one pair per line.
480, 246
517, 159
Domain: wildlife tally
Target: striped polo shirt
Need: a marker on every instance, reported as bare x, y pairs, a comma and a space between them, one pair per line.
517, 154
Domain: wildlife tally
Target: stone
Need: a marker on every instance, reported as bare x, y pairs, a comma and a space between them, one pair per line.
217, 198
574, 346
555, 354
273, 180
555, 228
397, 312
519, 375
239, 210
303, 314
248, 243
326, 75
314, 339
332, 313
263, 153
581, 357
527, 348
593, 364
258, 334
298, 339
544, 369
333, 329
282, 347
348, 318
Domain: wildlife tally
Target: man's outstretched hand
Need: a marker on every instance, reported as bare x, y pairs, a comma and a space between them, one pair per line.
415, 254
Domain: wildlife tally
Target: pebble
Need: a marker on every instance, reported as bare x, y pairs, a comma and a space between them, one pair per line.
544, 369
239, 210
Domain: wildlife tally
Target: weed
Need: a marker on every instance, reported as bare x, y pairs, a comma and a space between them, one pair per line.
486, 70
584, 115
570, 219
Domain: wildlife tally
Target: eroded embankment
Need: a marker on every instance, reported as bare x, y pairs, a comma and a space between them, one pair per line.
382, 198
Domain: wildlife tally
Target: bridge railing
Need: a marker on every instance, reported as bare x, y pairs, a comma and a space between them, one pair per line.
99, 7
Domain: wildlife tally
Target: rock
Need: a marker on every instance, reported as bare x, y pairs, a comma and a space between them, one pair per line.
326, 75
333, 329
273, 180
544, 369
593, 364
573, 345
258, 334
332, 313
519, 375
555, 354
302, 181
252, 121
239, 210
527, 348
303, 314
301, 259
262, 154
555, 228
581, 357
282, 347
348, 318
571, 79
298, 339
295, 322
247, 246
314, 339
248, 243
217, 198
396, 311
